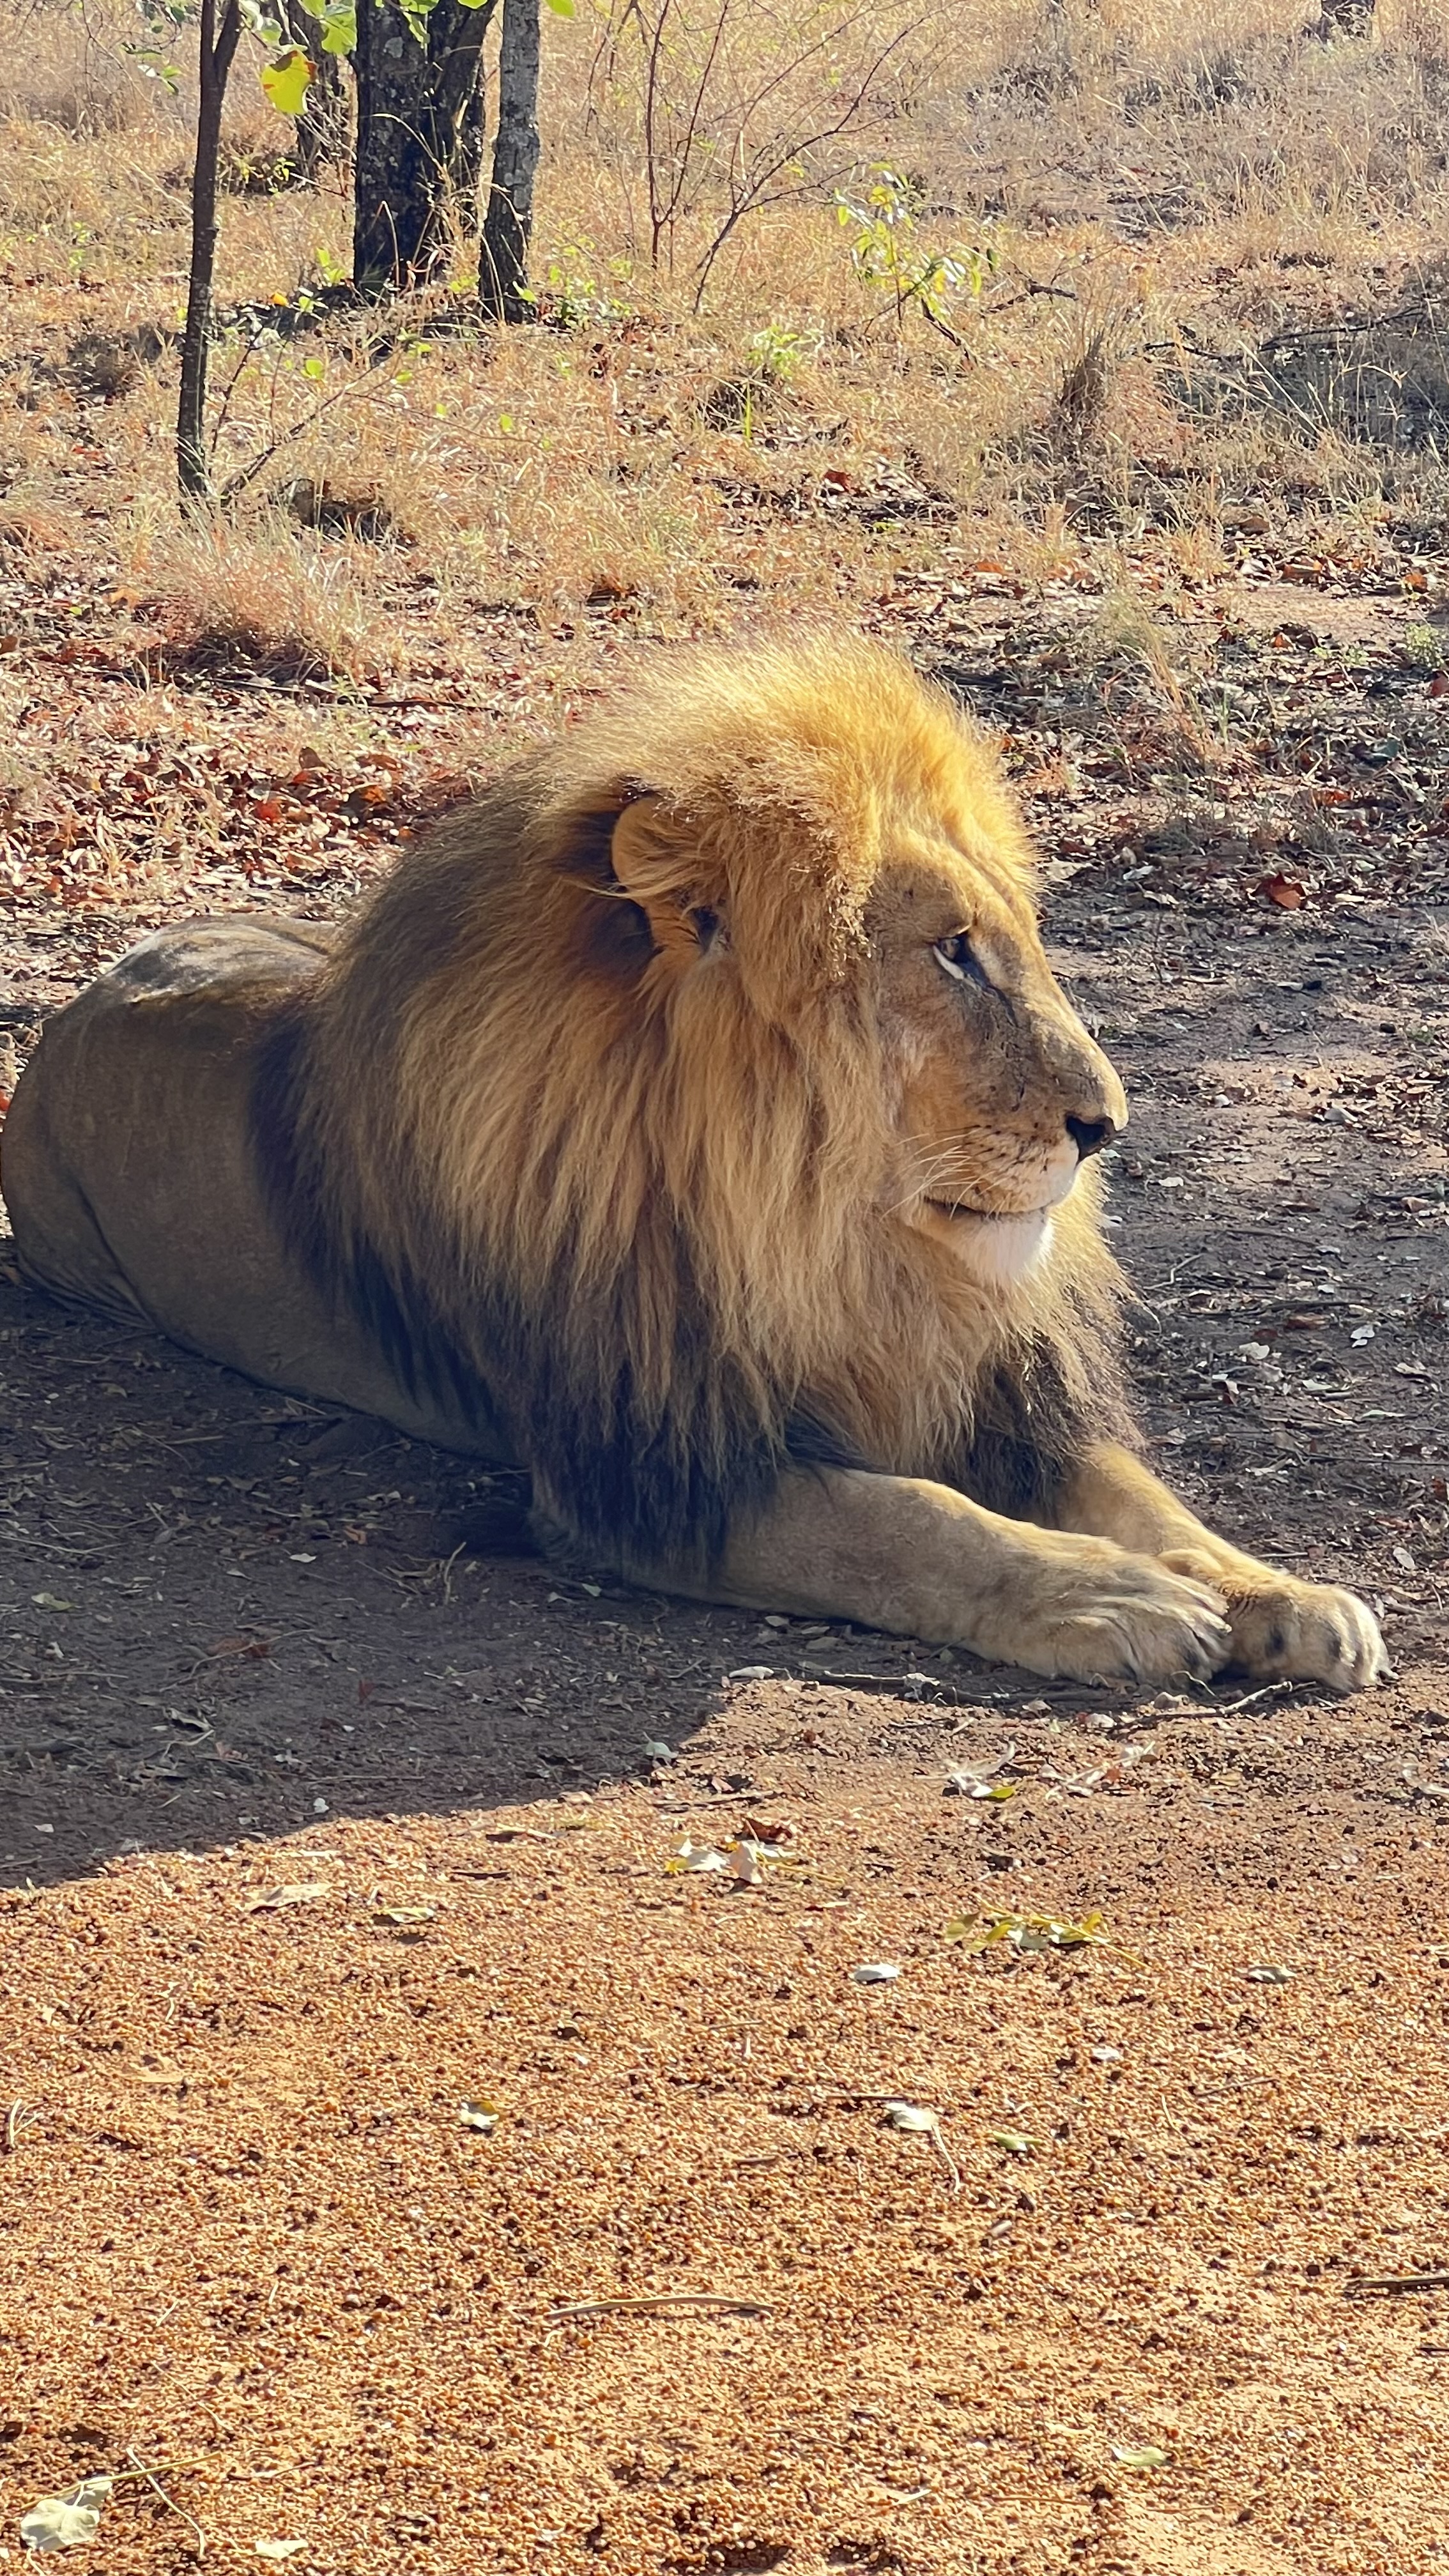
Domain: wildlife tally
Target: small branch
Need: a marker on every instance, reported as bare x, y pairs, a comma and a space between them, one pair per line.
17, 2121
701, 2302
1393, 2285
1067, 294
947, 2159
169, 2501
299, 429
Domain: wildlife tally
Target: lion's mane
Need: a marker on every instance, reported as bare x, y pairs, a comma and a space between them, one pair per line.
630, 1220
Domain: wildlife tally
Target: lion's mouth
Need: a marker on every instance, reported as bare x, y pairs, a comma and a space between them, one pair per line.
953, 1208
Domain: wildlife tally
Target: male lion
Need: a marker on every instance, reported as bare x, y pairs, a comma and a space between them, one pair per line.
695, 1121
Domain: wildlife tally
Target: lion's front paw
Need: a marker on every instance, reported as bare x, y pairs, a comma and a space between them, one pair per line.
1284, 1630
1126, 1618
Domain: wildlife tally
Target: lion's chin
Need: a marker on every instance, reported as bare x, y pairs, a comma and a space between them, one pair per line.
997, 1250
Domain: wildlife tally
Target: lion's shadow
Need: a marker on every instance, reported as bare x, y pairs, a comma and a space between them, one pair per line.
231, 1616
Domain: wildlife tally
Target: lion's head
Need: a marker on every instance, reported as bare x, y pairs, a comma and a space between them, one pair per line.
705, 1089
820, 862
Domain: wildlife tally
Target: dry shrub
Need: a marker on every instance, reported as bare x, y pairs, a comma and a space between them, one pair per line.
1125, 634
573, 539
337, 507
262, 598
1081, 403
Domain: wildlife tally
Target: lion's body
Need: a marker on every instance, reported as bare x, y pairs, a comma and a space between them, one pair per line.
132, 1179
638, 1133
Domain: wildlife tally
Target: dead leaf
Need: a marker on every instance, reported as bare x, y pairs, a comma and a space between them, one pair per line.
1286, 892
910, 2116
66, 2521
1031, 1932
917, 2122
302, 1891
693, 1858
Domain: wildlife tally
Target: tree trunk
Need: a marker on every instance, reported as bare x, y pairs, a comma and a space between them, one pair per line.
415, 106
503, 267
218, 45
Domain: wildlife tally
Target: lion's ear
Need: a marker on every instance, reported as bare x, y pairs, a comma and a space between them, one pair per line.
659, 865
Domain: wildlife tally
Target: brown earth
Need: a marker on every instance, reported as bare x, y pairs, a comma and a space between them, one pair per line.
249, 2242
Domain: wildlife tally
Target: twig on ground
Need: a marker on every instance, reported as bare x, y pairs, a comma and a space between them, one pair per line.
1068, 295
1393, 2285
746, 1798
17, 2121
1203, 1708
170, 2502
904, 1685
1270, 1690
947, 2159
706, 2302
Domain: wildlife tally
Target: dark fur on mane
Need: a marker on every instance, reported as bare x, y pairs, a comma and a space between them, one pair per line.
627, 1488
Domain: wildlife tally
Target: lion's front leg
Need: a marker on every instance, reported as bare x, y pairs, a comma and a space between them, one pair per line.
919, 1559
1283, 1628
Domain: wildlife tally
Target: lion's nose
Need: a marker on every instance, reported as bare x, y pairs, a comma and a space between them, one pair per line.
1089, 1135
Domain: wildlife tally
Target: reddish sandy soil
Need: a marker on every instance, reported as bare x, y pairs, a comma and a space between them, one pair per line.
247, 2240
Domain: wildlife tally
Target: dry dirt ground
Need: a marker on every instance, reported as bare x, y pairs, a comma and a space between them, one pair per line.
320, 1826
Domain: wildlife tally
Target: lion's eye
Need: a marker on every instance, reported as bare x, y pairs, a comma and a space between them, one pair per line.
959, 960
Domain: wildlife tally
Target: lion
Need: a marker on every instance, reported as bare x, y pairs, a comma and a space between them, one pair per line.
694, 1121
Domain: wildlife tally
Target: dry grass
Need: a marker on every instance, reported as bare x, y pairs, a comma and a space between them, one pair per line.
260, 598
1161, 194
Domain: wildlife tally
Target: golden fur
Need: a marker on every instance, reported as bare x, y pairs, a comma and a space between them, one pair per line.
551, 1093
695, 1120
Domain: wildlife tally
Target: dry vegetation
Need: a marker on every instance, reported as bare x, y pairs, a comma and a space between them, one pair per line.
1113, 405
1082, 319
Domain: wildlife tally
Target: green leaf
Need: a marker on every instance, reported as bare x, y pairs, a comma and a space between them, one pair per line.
562, 8
339, 28
1143, 2455
287, 83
